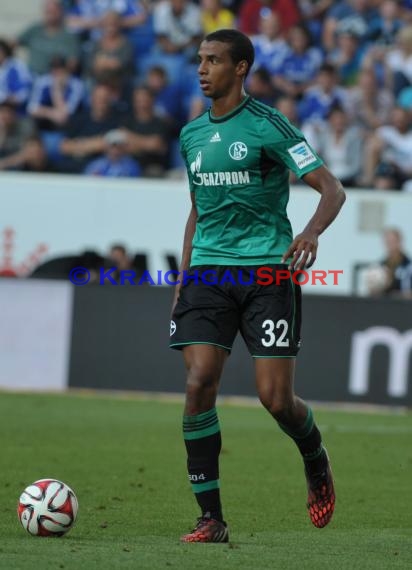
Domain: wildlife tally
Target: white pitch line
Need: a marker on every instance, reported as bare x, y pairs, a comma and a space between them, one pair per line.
380, 430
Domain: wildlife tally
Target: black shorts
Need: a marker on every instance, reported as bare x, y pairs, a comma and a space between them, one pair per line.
267, 316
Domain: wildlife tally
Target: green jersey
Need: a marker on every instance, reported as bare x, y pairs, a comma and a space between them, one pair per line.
238, 167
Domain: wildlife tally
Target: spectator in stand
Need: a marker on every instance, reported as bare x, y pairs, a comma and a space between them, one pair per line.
347, 57
393, 275
322, 96
50, 38
339, 142
349, 16
249, 14
170, 101
383, 36
388, 156
178, 29
83, 138
313, 13
31, 157
406, 10
178, 103
116, 161
56, 96
288, 107
300, 65
148, 135
215, 16
120, 101
86, 16
197, 104
259, 86
270, 45
111, 57
398, 265
375, 59
15, 78
399, 61
369, 105
404, 100
384, 29
14, 130
119, 258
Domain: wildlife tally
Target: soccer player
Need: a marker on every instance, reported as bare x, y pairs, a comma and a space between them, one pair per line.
238, 156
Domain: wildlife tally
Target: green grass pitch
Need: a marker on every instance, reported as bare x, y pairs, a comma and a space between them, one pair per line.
125, 460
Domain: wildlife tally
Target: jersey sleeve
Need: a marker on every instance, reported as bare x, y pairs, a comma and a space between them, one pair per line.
286, 144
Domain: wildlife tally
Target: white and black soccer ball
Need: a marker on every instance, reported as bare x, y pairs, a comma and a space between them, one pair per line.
47, 507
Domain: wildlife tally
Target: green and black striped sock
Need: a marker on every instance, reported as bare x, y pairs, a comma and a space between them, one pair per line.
309, 441
203, 444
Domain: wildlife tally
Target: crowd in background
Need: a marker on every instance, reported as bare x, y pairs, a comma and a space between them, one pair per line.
103, 87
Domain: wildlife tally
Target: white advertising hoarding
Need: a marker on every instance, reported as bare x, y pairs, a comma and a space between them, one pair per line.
71, 214
35, 334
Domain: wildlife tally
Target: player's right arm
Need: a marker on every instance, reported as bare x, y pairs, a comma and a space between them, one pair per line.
187, 246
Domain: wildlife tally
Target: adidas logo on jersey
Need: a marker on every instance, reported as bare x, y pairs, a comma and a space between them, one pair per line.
215, 138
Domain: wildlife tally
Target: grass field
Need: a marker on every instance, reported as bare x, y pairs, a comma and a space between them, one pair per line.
125, 459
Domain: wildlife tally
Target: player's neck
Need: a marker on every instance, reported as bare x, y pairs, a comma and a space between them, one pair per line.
226, 104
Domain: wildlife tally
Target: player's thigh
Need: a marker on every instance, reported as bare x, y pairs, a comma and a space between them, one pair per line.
274, 381
204, 363
204, 314
271, 321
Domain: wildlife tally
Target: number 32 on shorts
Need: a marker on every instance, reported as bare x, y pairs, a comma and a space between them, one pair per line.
270, 339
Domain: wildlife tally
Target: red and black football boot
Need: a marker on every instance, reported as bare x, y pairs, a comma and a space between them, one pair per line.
207, 530
321, 497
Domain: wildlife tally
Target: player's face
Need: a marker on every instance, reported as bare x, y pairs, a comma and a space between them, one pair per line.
218, 75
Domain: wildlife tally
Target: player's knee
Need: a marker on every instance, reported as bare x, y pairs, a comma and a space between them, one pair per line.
201, 377
279, 406
201, 391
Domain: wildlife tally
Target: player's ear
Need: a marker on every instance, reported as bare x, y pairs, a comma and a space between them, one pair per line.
242, 68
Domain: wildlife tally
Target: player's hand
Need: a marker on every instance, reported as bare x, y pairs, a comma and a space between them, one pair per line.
175, 298
302, 250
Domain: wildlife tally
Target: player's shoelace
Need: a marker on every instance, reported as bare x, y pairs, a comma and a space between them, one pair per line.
207, 530
321, 497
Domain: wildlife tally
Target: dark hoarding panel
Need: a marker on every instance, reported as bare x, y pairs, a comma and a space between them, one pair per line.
353, 349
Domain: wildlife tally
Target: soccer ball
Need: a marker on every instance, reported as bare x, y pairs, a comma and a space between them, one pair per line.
47, 508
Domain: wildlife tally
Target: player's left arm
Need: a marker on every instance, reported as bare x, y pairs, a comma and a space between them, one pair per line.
303, 249
286, 145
